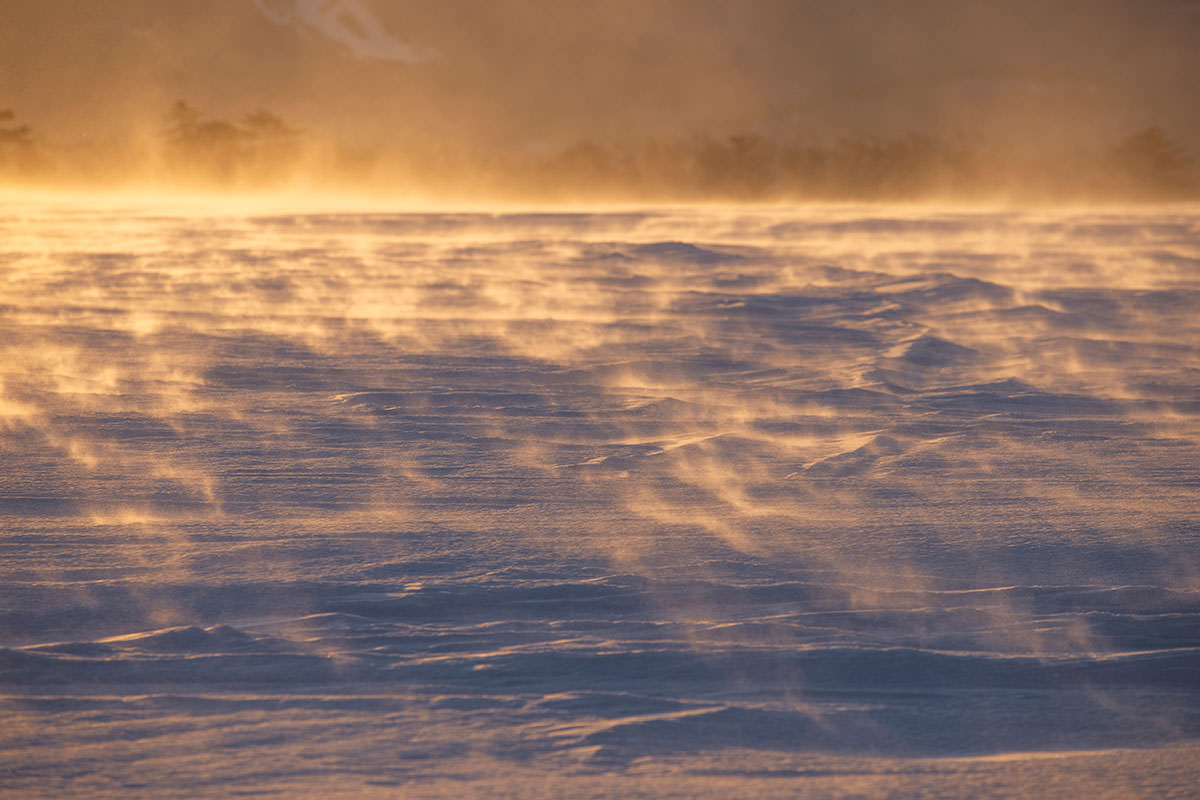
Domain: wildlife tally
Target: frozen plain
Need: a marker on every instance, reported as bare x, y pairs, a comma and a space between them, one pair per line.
850, 501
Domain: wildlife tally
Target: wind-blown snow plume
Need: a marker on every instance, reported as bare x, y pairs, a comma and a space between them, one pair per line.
345, 21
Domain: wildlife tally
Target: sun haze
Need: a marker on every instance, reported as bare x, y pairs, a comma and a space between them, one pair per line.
656, 99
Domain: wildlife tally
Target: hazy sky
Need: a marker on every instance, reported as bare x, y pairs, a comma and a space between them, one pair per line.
539, 72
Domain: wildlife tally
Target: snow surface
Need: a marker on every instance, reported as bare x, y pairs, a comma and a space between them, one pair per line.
699, 502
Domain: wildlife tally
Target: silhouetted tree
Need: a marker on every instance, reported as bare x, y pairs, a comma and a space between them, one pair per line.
202, 148
18, 148
270, 146
805, 171
261, 149
1149, 162
742, 166
19, 135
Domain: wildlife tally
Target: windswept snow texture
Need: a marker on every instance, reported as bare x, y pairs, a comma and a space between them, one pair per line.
815, 502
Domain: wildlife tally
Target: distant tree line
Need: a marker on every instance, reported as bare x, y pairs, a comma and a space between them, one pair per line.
755, 167
20, 155
1149, 163
261, 150
746, 167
